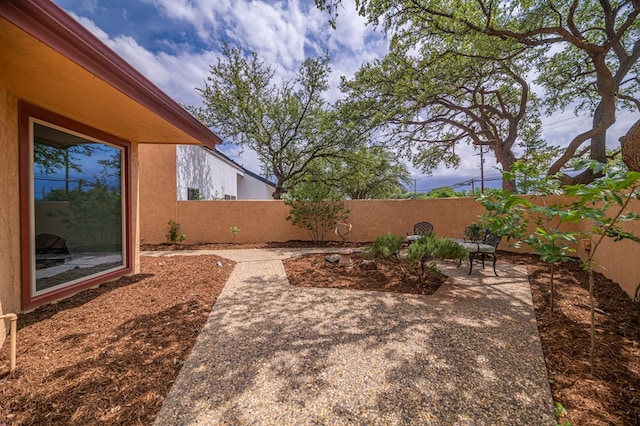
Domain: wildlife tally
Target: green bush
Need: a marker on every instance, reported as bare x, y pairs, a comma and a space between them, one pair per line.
429, 247
316, 216
475, 232
386, 247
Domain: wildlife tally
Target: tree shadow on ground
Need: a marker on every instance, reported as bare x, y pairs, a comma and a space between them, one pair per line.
270, 350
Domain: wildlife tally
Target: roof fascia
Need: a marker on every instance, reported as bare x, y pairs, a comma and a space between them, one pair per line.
51, 25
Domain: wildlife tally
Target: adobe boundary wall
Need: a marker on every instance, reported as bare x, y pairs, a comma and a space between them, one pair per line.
265, 221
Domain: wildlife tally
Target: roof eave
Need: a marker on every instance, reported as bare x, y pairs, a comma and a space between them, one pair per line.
51, 25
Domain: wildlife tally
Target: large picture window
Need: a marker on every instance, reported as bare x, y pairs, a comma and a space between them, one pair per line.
77, 212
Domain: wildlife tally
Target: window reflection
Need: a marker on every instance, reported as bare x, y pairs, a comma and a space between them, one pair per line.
78, 222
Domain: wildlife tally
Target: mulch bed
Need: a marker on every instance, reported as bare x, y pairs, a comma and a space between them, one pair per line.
386, 277
109, 355
612, 395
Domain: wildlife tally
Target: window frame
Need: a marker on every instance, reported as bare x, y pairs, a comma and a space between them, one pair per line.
27, 114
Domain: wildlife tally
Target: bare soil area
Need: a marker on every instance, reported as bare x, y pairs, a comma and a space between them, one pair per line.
109, 355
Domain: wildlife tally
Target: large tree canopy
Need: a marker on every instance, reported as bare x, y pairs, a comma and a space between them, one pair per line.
589, 61
429, 97
288, 125
365, 172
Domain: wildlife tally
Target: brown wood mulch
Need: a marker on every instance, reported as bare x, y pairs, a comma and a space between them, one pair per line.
384, 275
109, 355
612, 395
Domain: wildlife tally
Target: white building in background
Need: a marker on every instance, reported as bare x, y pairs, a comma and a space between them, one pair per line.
205, 174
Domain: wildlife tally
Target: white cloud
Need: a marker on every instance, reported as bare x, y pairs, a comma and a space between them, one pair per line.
93, 28
283, 33
202, 14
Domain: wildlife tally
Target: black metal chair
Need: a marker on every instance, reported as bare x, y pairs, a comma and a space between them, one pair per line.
422, 228
487, 246
419, 229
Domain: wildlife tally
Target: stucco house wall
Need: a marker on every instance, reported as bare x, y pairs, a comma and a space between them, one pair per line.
213, 177
254, 187
216, 177
56, 75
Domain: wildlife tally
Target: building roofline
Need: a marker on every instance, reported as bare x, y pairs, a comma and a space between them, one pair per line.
245, 170
226, 159
51, 25
260, 178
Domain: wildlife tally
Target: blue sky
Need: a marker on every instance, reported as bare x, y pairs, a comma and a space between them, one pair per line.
173, 42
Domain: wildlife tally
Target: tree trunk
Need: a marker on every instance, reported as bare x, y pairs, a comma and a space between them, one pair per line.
631, 148
277, 194
506, 159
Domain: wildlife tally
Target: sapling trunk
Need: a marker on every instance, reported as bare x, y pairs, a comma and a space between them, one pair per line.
552, 267
593, 328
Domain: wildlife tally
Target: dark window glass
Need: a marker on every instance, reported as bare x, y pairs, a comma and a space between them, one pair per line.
77, 206
193, 194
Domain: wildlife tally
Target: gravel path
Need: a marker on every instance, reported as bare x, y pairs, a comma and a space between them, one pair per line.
273, 354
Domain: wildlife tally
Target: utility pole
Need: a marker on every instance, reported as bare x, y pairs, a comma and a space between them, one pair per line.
481, 169
415, 184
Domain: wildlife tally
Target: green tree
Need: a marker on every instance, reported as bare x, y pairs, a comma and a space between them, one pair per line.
368, 172
445, 192
605, 205
591, 50
533, 165
426, 98
288, 125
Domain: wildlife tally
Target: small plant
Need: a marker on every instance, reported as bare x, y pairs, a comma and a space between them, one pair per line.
173, 234
234, 230
429, 247
559, 410
386, 247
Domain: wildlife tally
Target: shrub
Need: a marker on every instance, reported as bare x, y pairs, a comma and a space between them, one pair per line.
173, 233
474, 232
386, 247
429, 247
316, 216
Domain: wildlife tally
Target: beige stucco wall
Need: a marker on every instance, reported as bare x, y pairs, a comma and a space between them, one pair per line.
157, 189
210, 221
620, 261
9, 207
264, 221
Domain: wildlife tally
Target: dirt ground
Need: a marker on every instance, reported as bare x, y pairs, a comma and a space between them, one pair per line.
109, 355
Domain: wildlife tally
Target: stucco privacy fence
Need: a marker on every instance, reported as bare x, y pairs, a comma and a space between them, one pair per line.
264, 221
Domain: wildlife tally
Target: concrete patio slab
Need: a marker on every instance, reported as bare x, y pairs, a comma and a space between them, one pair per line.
273, 354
